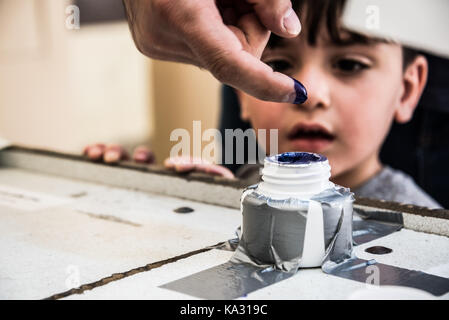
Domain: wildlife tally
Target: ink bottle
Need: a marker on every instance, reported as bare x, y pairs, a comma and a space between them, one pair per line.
295, 218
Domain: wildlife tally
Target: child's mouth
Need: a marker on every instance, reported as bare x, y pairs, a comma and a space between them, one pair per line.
310, 137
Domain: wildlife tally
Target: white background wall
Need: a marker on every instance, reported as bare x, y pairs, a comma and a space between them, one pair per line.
61, 89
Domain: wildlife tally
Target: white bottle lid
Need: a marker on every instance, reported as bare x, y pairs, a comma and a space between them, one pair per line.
295, 174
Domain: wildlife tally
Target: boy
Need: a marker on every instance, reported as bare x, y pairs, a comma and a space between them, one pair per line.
357, 86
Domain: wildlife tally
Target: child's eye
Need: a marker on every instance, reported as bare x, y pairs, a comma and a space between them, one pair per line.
350, 65
279, 65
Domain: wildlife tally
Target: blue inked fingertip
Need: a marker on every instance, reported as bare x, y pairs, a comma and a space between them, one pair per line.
301, 92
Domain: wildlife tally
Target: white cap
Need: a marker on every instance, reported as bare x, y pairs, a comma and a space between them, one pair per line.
295, 174
422, 25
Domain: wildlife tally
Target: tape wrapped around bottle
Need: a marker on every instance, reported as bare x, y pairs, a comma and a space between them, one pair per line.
296, 233
296, 218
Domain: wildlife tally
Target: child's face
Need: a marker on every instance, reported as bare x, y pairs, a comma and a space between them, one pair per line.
353, 96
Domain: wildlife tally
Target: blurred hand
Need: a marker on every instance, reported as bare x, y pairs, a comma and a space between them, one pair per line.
226, 37
185, 164
115, 153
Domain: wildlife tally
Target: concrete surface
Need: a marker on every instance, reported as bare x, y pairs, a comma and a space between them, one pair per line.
76, 167
410, 250
58, 233
95, 232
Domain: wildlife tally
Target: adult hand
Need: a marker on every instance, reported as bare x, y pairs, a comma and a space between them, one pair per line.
226, 37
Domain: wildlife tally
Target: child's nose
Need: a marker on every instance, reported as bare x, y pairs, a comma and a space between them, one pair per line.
318, 88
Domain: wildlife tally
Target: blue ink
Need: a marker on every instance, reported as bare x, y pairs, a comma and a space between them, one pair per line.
301, 92
298, 158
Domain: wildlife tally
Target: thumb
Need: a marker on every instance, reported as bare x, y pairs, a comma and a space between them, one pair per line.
278, 16
232, 55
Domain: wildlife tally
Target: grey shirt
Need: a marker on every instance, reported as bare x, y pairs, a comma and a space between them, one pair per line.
394, 185
389, 184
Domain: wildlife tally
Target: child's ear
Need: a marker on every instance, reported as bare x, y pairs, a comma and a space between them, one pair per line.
414, 80
243, 105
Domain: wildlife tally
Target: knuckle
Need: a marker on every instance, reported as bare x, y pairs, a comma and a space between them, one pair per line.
146, 46
221, 68
141, 49
163, 8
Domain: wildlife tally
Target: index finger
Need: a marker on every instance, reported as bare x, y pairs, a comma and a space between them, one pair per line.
221, 52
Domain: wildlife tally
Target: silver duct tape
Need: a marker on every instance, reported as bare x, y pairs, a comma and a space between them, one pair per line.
227, 281
273, 231
234, 280
261, 261
369, 224
365, 228
386, 275
270, 248
369, 230
368, 213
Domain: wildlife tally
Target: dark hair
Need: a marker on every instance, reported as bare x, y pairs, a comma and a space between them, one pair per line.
329, 12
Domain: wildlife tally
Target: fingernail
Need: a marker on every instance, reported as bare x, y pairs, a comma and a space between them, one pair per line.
300, 95
291, 22
111, 156
142, 157
94, 153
